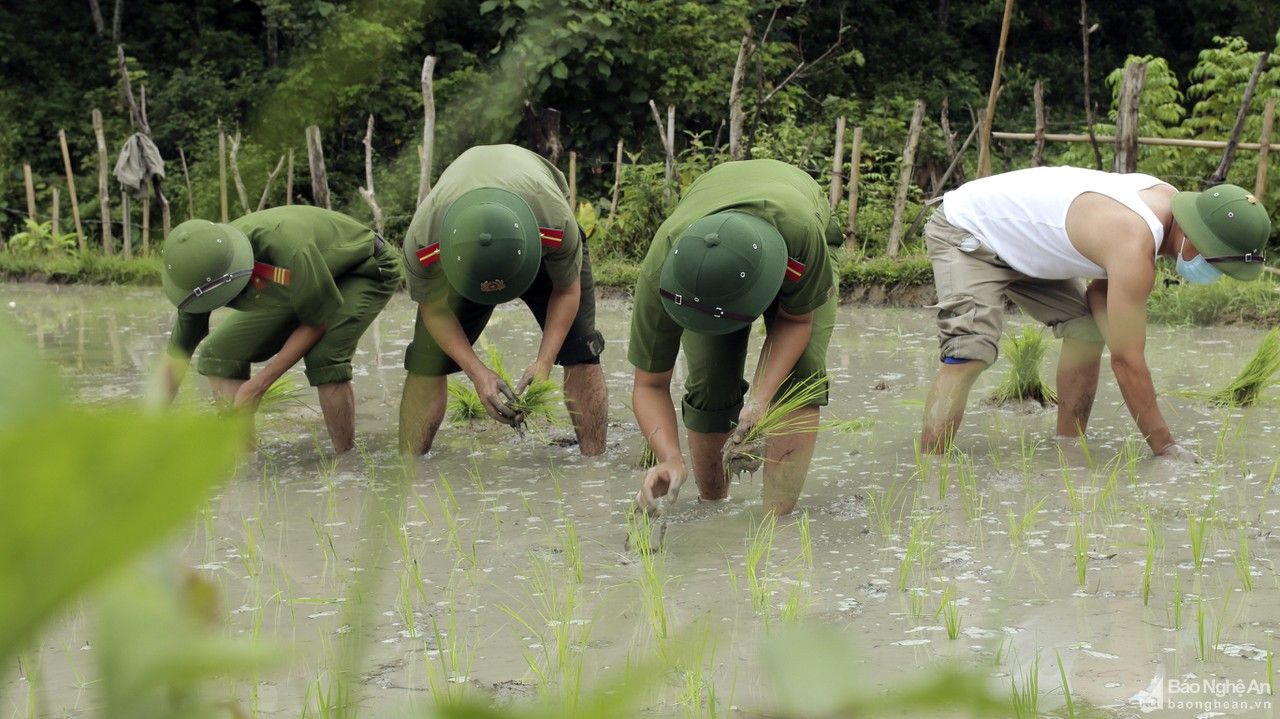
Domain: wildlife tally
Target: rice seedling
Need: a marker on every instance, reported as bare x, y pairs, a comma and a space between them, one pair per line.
1027, 451
464, 403
1175, 604
1026, 352
1201, 646
1256, 376
561, 637
778, 419
647, 457
950, 613
1026, 697
1020, 528
919, 548
1271, 670
1199, 526
806, 540
652, 580
572, 548
1151, 556
447, 674
944, 475
1241, 560
1066, 686
759, 548
538, 401
1221, 621
880, 507
1271, 480
1081, 553
970, 495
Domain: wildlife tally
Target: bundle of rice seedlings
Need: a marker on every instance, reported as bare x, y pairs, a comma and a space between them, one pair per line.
464, 402
282, 392
1026, 352
538, 401
1260, 372
777, 420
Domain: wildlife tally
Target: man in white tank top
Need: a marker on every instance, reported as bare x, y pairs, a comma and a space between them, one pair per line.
1034, 236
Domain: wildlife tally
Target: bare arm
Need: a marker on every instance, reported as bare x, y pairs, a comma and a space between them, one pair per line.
448, 333
785, 343
656, 415
562, 308
300, 341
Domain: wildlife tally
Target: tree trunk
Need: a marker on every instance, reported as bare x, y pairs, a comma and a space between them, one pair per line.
736, 114
55, 212
855, 174
904, 178
273, 39
126, 224
1090, 114
1268, 121
116, 17
241, 193
1135, 74
984, 139
288, 181
71, 189
367, 192
266, 189
617, 181
1037, 155
104, 194
1219, 175
315, 159
837, 165
573, 182
428, 127
667, 145
222, 173
146, 221
96, 11
30, 186
186, 177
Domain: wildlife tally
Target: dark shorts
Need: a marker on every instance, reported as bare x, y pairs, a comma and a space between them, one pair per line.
715, 388
257, 335
582, 345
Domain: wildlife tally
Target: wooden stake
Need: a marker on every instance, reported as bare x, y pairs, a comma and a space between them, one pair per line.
315, 160
71, 189
736, 114
1264, 141
984, 139
1037, 155
31, 191
573, 181
146, 220
671, 152
241, 193
617, 180
855, 174
1229, 154
665, 137
837, 165
127, 224
904, 178
104, 194
186, 177
288, 181
56, 213
367, 191
428, 127
1135, 74
222, 173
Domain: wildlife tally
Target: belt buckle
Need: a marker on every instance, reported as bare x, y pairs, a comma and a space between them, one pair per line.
678, 299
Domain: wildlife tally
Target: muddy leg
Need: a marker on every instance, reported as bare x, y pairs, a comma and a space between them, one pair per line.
587, 400
786, 462
708, 467
944, 407
1078, 366
338, 405
421, 412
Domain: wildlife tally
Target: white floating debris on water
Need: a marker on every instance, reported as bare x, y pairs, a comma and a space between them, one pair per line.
911, 642
1243, 651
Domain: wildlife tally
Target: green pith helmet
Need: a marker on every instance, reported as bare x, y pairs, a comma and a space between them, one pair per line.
723, 272
205, 265
490, 246
1228, 225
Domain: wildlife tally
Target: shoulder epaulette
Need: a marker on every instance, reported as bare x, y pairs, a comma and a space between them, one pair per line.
429, 255
264, 273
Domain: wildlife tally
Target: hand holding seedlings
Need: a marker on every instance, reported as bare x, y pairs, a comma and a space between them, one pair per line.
744, 451
1179, 453
496, 397
664, 479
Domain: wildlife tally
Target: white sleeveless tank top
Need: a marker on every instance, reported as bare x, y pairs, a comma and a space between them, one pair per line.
1022, 215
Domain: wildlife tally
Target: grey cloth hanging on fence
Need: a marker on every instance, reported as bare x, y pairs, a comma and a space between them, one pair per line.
139, 163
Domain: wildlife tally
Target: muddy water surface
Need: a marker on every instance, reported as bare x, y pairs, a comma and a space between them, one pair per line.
482, 552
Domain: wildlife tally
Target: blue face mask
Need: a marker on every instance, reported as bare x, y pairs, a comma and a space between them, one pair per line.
1198, 270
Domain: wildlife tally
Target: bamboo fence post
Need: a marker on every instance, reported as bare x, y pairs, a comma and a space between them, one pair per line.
736, 114
288, 180
31, 191
186, 177
315, 160
104, 194
222, 172
367, 192
241, 193
904, 178
617, 180
855, 174
837, 165
1229, 154
266, 189
127, 224
1037, 156
55, 213
428, 127
71, 189
573, 182
984, 139
1127, 117
1264, 150
146, 220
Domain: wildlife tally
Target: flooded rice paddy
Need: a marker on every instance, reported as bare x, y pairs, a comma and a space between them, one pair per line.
503, 572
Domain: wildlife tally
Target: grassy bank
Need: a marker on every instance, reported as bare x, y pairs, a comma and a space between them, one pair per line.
883, 280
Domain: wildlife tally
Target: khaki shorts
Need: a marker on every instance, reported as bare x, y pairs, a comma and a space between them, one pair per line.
972, 283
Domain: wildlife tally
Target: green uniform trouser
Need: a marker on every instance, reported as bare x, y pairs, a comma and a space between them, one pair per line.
715, 388
257, 335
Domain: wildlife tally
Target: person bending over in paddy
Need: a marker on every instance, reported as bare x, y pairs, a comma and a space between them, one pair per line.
749, 238
305, 283
497, 226
1033, 235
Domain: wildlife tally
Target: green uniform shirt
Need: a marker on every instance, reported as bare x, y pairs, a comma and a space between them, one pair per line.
505, 167
779, 193
312, 244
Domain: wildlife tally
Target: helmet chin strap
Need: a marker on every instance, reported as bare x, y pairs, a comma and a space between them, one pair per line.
213, 285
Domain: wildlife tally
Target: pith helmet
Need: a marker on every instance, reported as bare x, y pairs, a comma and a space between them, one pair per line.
490, 246
1228, 225
206, 265
723, 272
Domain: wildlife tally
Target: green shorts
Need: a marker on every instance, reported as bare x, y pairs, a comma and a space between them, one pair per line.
715, 388
257, 335
582, 345
972, 283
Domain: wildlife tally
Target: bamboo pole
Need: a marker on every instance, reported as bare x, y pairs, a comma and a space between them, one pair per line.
984, 139
736, 114
428, 127
1037, 156
1126, 145
1264, 140
855, 174
104, 193
55, 213
1153, 141
71, 189
904, 178
222, 173
31, 191
186, 177
315, 160
837, 165
266, 189
1229, 154
1089, 111
573, 181
126, 225
367, 192
617, 180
